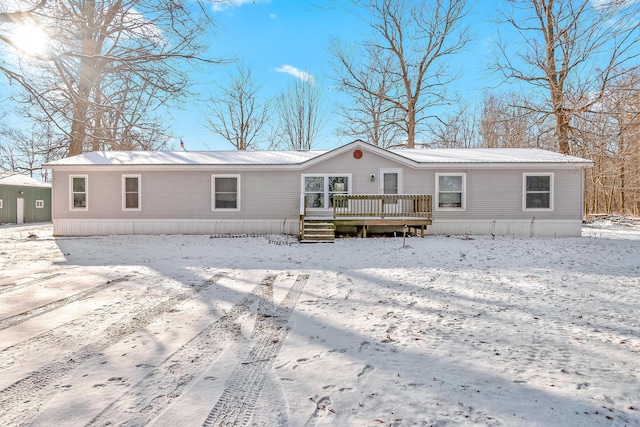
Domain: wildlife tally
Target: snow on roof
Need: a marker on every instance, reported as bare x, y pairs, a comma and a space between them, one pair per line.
487, 155
274, 158
11, 178
189, 158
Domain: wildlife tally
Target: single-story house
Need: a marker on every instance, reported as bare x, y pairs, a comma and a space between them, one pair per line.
357, 187
23, 199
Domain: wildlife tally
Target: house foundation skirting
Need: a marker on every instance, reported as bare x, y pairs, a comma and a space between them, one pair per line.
516, 228
103, 227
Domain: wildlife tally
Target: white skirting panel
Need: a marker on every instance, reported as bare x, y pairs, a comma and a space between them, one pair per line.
104, 227
519, 228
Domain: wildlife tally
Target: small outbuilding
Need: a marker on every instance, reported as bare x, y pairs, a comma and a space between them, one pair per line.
23, 199
355, 188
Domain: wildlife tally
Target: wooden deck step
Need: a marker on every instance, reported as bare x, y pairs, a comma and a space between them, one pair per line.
314, 231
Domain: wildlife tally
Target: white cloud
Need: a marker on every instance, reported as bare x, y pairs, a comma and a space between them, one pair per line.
297, 73
599, 4
219, 5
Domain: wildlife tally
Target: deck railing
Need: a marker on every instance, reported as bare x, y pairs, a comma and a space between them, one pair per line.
382, 205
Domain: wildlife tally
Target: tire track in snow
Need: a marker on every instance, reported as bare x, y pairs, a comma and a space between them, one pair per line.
26, 395
74, 333
15, 286
177, 373
238, 400
43, 309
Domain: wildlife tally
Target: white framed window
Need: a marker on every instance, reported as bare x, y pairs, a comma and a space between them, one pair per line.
226, 192
451, 191
39, 204
0, 203
79, 194
320, 189
537, 191
131, 192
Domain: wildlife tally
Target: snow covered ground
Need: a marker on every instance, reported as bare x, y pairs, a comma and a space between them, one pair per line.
193, 330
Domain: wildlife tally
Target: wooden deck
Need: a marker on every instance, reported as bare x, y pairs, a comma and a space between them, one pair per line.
365, 210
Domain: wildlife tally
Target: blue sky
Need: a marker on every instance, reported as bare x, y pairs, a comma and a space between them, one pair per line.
282, 40
276, 36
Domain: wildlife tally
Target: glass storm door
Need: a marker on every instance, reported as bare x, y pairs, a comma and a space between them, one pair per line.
391, 183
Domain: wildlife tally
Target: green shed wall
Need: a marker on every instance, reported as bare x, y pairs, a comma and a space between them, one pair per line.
9, 194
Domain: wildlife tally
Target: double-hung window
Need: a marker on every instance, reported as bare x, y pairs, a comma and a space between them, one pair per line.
537, 191
78, 186
131, 193
450, 191
319, 190
226, 192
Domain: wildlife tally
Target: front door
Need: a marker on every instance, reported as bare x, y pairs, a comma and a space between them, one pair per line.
391, 183
20, 212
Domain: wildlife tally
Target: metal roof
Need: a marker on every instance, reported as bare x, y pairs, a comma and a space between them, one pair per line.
487, 155
274, 158
188, 158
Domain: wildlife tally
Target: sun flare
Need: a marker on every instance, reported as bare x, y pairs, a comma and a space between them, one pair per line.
31, 39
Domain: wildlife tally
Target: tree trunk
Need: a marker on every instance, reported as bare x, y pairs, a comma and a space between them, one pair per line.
86, 80
562, 130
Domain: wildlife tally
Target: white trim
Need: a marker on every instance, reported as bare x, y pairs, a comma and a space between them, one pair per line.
326, 187
39, 204
213, 192
463, 196
382, 171
0, 203
366, 148
86, 193
124, 192
524, 192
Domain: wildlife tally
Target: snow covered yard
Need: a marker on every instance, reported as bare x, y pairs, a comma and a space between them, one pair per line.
193, 330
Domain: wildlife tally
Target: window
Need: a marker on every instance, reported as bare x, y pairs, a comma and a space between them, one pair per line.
537, 191
0, 203
131, 192
320, 189
39, 204
450, 191
226, 192
79, 198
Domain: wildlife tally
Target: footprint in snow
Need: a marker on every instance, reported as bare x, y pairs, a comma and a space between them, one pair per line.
364, 373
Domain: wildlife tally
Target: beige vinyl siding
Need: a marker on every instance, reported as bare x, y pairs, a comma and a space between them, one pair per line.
359, 169
183, 195
497, 194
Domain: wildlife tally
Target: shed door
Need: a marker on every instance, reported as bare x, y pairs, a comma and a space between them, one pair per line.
20, 211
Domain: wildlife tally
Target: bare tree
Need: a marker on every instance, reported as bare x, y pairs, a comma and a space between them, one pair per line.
458, 130
301, 115
25, 150
610, 136
568, 51
370, 116
418, 38
103, 56
507, 121
237, 114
